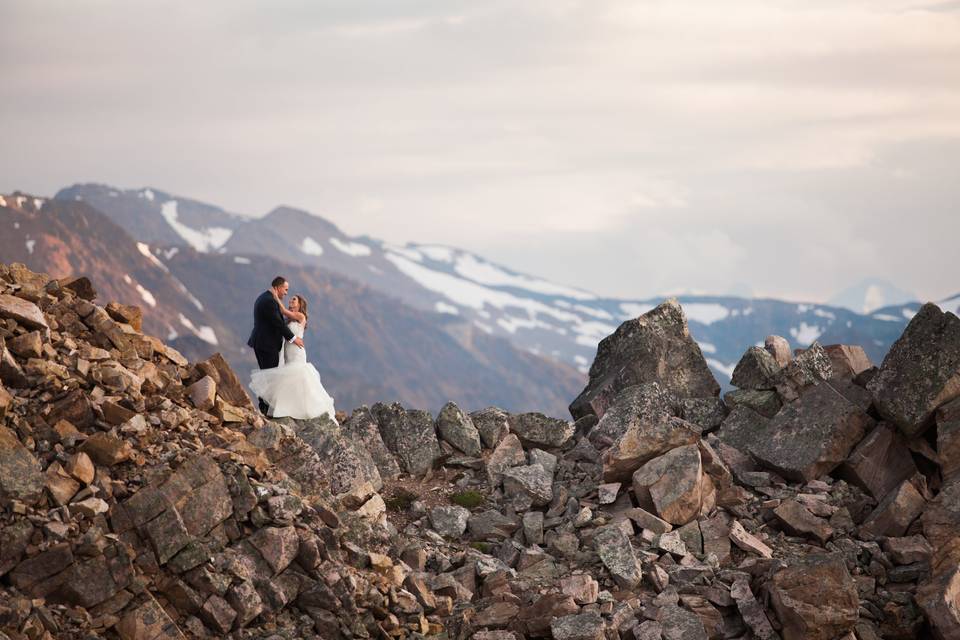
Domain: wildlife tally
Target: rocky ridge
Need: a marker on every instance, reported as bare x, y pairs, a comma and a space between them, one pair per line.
143, 497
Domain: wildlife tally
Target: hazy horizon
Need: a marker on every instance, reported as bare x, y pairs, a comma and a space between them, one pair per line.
781, 149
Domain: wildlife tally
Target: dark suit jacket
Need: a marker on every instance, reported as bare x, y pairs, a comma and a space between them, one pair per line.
269, 328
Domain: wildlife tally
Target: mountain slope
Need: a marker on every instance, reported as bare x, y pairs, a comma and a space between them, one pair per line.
369, 346
538, 316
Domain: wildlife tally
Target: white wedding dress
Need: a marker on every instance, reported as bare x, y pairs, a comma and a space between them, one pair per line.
293, 389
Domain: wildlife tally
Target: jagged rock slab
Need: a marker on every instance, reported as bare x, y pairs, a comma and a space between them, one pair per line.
939, 595
613, 547
674, 484
347, 466
493, 425
23, 312
895, 512
509, 453
456, 427
766, 403
656, 347
798, 521
921, 371
20, 476
633, 405
847, 361
410, 436
815, 598
537, 430
742, 427
644, 440
880, 462
363, 428
756, 370
809, 368
528, 485
941, 517
812, 436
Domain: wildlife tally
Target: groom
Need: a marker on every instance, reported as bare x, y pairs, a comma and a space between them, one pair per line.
269, 329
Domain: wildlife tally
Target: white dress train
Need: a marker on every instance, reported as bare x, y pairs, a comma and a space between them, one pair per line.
293, 389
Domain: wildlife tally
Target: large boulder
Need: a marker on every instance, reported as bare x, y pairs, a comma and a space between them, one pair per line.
756, 370
644, 440
362, 427
616, 553
23, 312
920, 372
538, 430
493, 425
880, 462
810, 367
457, 428
815, 598
812, 436
632, 405
673, 484
20, 476
410, 435
348, 466
895, 512
941, 517
948, 440
847, 361
939, 595
656, 347
228, 385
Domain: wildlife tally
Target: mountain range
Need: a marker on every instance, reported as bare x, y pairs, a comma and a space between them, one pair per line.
532, 339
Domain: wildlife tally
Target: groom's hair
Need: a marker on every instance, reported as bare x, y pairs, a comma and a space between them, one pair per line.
279, 280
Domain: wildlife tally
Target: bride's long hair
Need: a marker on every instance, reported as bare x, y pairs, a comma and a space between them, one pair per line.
302, 304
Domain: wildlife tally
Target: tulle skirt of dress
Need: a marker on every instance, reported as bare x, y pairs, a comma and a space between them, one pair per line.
293, 390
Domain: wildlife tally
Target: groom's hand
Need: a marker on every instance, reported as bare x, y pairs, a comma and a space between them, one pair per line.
298, 342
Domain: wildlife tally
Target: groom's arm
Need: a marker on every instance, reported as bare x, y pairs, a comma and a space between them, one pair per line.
276, 319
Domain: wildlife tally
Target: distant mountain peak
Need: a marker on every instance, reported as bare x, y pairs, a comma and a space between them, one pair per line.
871, 294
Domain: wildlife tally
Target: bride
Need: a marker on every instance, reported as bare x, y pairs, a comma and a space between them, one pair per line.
293, 389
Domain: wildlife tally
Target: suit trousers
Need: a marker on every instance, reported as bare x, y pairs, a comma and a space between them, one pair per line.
266, 360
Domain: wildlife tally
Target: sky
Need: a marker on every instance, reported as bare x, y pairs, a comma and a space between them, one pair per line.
631, 148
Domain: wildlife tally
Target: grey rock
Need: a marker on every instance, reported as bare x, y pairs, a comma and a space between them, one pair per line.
457, 428
20, 476
679, 624
742, 428
509, 453
779, 348
810, 437
410, 436
538, 430
656, 347
492, 424
362, 427
766, 403
545, 459
809, 368
706, 413
756, 370
578, 626
920, 372
491, 525
533, 527
613, 547
529, 485
348, 466
633, 404
449, 521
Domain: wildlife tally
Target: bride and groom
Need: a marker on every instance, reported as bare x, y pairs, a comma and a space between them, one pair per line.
286, 384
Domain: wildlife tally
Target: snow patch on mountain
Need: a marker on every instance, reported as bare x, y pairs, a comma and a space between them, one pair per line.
354, 249
483, 272
443, 307
311, 247
146, 295
241, 260
705, 312
437, 253
205, 333
204, 240
805, 334
30, 244
144, 250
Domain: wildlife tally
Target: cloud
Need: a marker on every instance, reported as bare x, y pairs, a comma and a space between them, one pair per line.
753, 141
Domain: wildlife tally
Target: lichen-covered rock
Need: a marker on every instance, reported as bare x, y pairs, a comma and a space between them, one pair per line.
410, 436
613, 547
809, 368
578, 626
644, 440
492, 424
815, 598
457, 428
756, 370
528, 485
347, 465
674, 484
766, 403
656, 347
810, 437
895, 512
449, 521
20, 476
537, 430
880, 462
509, 453
920, 372
634, 404
362, 427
